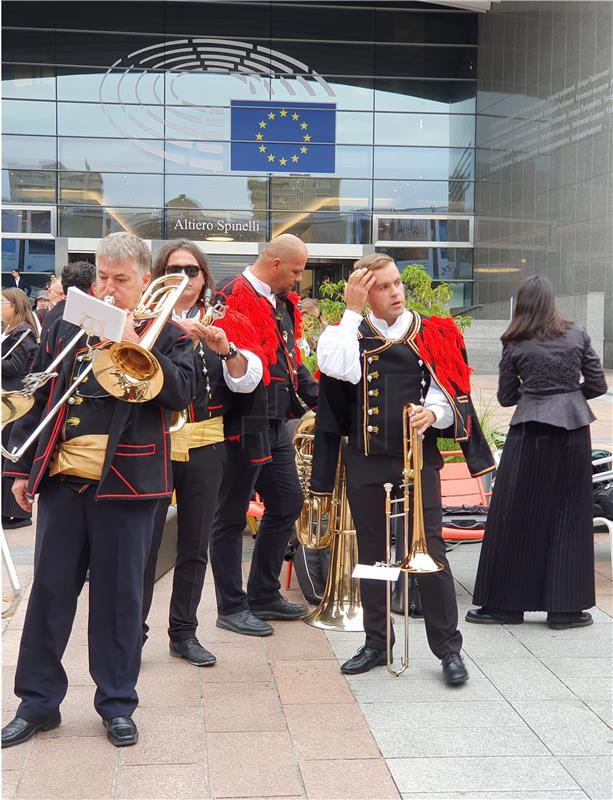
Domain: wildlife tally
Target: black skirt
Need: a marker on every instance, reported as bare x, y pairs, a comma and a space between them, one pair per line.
538, 549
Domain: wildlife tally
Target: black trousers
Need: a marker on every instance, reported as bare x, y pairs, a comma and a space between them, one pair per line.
365, 478
196, 483
112, 538
277, 483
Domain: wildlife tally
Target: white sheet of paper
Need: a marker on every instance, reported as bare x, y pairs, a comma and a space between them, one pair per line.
376, 573
95, 316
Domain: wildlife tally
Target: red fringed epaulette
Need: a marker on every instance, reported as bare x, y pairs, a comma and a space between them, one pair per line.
294, 300
440, 344
241, 332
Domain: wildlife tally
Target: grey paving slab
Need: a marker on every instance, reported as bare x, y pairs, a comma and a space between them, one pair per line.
567, 794
596, 641
591, 688
482, 641
388, 689
593, 773
602, 709
421, 775
438, 714
567, 727
404, 740
580, 666
524, 679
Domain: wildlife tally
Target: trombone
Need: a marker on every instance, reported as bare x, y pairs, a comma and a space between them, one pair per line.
417, 561
142, 377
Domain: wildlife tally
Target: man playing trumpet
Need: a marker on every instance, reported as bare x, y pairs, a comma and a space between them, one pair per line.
100, 466
372, 367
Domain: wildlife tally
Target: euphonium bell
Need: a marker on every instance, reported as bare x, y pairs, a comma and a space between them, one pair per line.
312, 526
127, 370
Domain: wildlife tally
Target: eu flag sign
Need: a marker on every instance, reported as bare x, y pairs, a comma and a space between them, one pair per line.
271, 136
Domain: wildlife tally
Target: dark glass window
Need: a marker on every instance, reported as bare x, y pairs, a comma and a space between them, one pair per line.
29, 46
98, 48
325, 58
28, 186
324, 226
321, 21
424, 196
23, 220
351, 92
395, 229
96, 222
429, 27
193, 192
119, 86
29, 81
441, 263
406, 61
423, 163
111, 188
212, 225
25, 116
400, 94
111, 155
29, 152
28, 255
92, 119
434, 130
312, 194
219, 19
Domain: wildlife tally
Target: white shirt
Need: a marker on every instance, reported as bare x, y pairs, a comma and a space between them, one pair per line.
338, 356
261, 287
245, 383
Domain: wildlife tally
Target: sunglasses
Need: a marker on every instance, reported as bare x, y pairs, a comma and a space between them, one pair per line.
191, 270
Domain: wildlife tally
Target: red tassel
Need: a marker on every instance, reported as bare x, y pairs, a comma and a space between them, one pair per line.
440, 344
294, 300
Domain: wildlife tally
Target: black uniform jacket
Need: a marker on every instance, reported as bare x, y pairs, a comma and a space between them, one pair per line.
17, 358
137, 460
438, 343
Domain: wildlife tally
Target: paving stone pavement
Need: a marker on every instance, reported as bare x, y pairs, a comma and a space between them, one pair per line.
276, 719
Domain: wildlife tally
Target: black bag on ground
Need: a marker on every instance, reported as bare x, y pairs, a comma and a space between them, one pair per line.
311, 568
602, 493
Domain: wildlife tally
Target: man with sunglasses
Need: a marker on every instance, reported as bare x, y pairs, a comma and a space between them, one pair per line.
262, 293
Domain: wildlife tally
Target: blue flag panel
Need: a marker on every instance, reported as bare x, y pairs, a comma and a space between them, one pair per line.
282, 137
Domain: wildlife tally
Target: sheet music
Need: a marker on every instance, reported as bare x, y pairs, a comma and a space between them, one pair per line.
94, 316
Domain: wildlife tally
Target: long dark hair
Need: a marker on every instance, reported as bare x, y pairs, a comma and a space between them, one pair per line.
183, 244
535, 315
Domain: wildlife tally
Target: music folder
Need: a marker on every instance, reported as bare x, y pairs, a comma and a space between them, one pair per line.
96, 317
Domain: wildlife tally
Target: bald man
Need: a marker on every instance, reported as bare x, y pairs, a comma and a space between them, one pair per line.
263, 293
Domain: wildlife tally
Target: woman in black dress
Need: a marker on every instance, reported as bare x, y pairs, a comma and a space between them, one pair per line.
538, 549
19, 343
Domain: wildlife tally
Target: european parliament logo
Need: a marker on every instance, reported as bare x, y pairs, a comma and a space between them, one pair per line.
282, 137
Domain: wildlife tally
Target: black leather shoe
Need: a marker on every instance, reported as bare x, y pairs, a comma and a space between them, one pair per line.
121, 731
364, 660
16, 522
280, 609
244, 622
194, 652
489, 616
454, 670
20, 730
572, 619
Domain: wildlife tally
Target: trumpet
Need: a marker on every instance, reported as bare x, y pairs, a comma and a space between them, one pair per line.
418, 560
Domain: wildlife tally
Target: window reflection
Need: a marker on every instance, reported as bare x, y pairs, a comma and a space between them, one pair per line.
110, 188
447, 97
111, 155
23, 116
435, 130
29, 152
28, 255
215, 225
92, 119
28, 186
397, 229
324, 227
212, 192
314, 194
424, 196
424, 163
96, 222
441, 263
95, 85
29, 81
22, 220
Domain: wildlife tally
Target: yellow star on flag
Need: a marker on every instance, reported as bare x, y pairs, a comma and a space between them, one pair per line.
304, 149
271, 115
307, 137
259, 136
295, 116
294, 159
283, 112
304, 125
262, 124
271, 157
262, 148
283, 161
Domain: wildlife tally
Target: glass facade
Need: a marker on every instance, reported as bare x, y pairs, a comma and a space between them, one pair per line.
124, 121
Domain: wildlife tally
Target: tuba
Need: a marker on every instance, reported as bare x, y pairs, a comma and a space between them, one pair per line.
129, 371
418, 560
326, 522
